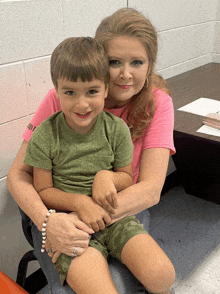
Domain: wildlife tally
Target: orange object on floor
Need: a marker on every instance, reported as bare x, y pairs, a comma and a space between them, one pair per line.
8, 286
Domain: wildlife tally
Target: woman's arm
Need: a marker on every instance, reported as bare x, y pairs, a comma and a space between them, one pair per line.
20, 185
61, 227
132, 200
146, 193
136, 198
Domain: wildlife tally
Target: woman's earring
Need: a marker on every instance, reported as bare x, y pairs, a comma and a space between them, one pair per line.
147, 80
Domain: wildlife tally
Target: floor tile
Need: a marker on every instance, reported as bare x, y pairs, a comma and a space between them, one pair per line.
188, 236
206, 279
158, 213
179, 199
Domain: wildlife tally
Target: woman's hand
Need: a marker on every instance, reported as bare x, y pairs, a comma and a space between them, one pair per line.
65, 232
54, 255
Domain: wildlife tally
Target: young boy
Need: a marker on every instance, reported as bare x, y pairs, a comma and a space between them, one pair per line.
85, 151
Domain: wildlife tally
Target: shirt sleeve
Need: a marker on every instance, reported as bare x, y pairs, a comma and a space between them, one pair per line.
159, 134
123, 146
48, 106
38, 153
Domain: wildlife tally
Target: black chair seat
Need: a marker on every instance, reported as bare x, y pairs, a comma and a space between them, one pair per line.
37, 280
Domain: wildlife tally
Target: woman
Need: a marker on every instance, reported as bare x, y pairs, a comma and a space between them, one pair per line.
135, 94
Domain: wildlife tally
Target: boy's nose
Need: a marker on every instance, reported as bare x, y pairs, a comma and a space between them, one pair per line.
82, 104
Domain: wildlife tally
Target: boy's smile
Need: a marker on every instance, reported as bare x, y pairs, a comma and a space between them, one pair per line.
81, 102
85, 115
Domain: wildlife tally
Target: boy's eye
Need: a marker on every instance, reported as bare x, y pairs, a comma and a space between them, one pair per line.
114, 62
137, 62
69, 93
93, 92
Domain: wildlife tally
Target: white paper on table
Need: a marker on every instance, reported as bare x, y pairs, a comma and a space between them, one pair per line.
202, 106
209, 131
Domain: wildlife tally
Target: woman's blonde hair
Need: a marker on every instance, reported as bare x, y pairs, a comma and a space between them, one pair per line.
131, 23
79, 57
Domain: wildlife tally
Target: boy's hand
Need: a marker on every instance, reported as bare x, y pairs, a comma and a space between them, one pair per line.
93, 215
104, 192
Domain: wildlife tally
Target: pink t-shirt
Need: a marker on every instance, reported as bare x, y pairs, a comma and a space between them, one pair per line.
159, 134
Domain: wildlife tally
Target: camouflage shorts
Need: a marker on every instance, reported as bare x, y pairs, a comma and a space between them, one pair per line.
110, 241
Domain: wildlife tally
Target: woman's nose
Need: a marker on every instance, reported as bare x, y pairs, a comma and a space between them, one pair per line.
126, 72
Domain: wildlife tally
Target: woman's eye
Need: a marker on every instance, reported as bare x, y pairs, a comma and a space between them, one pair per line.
114, 62
137, 62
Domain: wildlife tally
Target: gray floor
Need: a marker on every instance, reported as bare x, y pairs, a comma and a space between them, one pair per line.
188, 230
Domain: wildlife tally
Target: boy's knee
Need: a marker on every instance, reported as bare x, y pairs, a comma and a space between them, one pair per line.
162, 278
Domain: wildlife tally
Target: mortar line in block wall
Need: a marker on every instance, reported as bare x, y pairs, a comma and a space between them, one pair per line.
187, 26
16, 119
188, 60
24, 60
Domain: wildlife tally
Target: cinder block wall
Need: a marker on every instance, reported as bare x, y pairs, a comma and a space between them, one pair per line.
189, 35
188, 32
216, 47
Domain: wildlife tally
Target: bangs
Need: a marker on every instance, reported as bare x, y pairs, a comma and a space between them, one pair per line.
84, 70
79, 58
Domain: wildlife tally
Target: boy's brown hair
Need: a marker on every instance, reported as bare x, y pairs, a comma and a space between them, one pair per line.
79, 57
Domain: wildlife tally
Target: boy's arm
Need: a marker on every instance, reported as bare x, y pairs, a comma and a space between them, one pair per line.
107, 183
43, 184
90, 213
123, 177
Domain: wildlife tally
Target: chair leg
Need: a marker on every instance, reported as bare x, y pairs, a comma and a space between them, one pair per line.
22, 267
34, 282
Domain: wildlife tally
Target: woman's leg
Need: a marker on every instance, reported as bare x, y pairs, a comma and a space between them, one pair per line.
147, 261
89, 274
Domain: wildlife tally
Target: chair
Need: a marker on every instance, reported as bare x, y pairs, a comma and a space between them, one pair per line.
37, 280
8, 286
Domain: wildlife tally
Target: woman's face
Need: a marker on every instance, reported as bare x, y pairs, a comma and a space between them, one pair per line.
128, 69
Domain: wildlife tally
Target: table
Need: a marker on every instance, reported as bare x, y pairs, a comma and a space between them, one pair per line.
197, 159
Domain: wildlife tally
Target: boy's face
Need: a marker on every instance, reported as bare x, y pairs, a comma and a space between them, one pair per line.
81, 102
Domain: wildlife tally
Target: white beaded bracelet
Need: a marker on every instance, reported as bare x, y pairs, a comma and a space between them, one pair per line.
44, 236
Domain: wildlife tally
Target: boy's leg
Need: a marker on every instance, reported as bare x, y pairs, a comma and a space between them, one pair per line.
147, 261
89, 274
124, 280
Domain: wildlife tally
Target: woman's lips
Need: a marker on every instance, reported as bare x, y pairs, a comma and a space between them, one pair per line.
86, 115
125, 86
